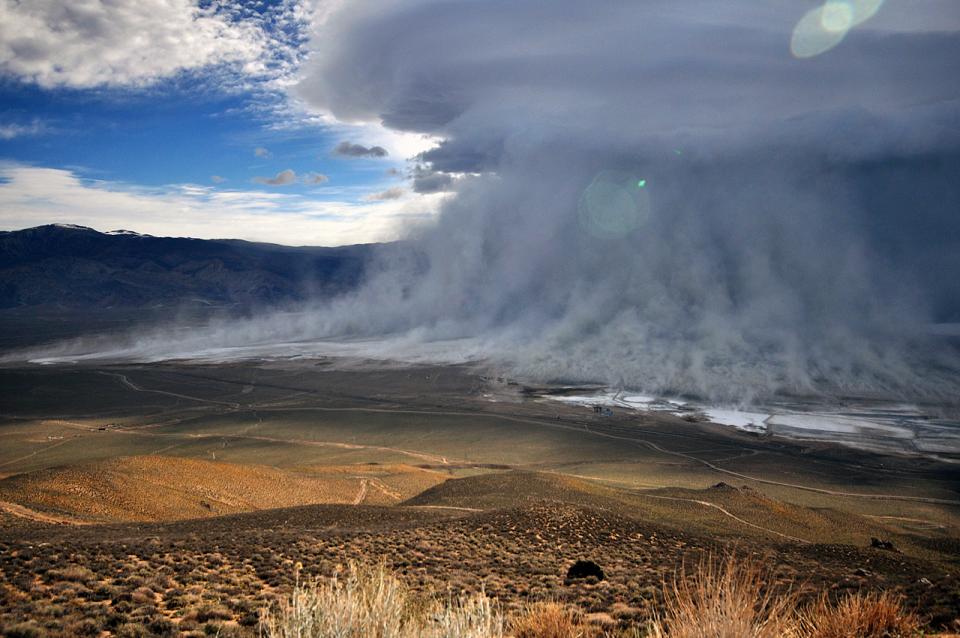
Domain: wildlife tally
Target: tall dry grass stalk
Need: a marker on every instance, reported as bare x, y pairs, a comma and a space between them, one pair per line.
725, 599
475, 616
367, 601
872, 615
547, 620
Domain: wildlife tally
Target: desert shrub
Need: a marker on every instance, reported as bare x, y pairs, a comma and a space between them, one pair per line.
222, 630
142, 595
115, 619
133, 581
55, 610
547, 620
76, 573
24, 630
131, 630
161, 626
369, 602
122, 597
585, 569
249, 619
174, 601
725, 599
103, 592
143, 612
210, 611
84, 627
873, 615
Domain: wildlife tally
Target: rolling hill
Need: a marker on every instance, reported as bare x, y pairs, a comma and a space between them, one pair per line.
162, 488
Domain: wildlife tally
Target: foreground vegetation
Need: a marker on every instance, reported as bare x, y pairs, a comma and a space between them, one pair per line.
724, 599
216, 576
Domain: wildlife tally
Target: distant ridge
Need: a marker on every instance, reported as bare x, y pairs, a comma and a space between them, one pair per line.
74, 267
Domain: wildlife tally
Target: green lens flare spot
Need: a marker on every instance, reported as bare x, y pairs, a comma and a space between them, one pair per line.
614, 205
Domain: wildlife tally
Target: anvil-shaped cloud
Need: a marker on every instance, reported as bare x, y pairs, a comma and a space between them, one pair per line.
662, 194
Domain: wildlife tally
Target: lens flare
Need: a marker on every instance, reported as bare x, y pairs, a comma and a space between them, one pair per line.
836, 16
810, 38
614, 205
863, 10
826, 26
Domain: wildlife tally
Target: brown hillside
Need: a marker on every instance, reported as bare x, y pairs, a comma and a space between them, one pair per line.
516, 488
722, 510
157, 488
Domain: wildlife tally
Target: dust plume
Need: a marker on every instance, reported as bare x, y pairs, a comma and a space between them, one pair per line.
660, 195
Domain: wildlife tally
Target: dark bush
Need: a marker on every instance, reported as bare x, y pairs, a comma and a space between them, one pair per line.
24, 630
85, 627
879, 544
160, 626
584, 569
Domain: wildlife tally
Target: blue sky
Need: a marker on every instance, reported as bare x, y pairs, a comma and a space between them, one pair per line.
206, 112
171, 135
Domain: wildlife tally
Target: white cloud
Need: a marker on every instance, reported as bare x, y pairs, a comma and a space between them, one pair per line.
10, 131
30, 196
261, 152
89, 43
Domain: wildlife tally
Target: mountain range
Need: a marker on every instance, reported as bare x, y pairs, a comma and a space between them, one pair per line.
75, 267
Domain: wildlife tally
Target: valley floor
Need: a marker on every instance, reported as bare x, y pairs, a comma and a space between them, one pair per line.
164, 498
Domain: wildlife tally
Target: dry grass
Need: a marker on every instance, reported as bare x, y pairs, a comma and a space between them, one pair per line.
726, 599
547, 620
723, 599
729, 599
369, 602
873, 615
470, 617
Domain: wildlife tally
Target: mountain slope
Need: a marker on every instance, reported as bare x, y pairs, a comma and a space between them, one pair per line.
80, 268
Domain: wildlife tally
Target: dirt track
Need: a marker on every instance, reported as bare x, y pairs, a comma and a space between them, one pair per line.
25, 512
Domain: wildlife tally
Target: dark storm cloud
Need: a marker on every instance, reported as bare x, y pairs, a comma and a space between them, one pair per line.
458, 157
613, 71
283, 178
664, 197
427, 181
391, 193
348, 149
315, 178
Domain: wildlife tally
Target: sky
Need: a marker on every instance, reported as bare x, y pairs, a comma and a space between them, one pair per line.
223, 118
170, 117
728, 199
